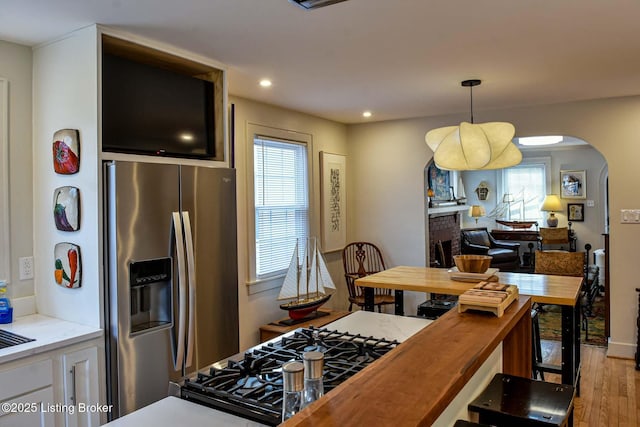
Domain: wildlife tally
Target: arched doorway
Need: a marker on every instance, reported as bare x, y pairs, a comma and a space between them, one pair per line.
572, 154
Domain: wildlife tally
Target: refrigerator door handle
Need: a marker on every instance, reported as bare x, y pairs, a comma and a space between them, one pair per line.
182, 292
191, 270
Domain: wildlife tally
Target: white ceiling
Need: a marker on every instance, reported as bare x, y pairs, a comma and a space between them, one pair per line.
397, 58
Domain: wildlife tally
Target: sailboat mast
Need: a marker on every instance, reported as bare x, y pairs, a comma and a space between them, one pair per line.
316, 263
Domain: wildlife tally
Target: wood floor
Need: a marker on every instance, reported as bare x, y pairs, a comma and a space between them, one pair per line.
610, 388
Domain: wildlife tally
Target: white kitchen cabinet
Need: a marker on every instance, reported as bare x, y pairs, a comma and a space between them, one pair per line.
31, 410
27, 394
57, 388
80, 381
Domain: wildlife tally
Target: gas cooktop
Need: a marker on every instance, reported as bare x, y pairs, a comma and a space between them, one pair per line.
251, 385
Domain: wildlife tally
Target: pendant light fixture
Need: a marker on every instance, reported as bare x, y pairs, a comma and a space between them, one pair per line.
472, 146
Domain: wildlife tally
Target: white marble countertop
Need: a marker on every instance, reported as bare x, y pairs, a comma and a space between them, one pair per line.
173, 411
379, 325
49, 334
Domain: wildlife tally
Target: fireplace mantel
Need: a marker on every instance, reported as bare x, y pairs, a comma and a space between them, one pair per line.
445, 210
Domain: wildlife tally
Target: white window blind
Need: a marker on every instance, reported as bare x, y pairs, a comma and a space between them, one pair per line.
527, 185
281, 202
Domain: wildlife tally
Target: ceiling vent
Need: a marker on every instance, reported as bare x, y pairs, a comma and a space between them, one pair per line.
315, 4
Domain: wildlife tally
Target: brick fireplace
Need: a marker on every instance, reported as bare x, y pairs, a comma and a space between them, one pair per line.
444, 228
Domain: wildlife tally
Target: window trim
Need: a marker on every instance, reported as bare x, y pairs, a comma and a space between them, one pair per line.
253, 283
5, 270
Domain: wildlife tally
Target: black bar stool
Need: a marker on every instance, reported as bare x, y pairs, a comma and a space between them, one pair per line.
536, 347
463, 423
515, 401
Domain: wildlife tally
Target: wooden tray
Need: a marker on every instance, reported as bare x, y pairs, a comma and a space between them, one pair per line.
488, 296
489, 275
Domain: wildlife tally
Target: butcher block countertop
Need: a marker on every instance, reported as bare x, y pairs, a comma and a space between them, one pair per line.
413, 384
543, 288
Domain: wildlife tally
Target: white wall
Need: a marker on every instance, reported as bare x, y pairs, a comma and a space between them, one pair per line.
65, 95
385, 191
15, 66
387, 182
260, 308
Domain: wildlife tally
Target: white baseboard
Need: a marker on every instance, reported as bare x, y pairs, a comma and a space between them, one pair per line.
621, 350
23, 306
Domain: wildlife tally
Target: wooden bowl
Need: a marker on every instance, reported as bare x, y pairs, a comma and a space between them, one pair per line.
472, 263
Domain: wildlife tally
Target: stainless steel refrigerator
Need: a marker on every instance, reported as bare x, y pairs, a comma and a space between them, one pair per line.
171, 302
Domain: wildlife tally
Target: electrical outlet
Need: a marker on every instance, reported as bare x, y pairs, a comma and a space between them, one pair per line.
26, 267
590, 203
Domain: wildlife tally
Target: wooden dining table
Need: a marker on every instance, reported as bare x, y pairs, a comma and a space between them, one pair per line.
542, 288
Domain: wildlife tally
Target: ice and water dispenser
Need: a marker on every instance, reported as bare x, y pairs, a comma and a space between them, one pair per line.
150, 294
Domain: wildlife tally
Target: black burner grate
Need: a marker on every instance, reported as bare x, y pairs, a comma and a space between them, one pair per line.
9, 339
252, 386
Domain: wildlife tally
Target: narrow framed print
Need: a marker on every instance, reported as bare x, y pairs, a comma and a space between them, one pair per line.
333, 201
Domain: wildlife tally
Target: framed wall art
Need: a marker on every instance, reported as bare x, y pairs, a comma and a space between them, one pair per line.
66, 208
573, 184
66, 151
333, 201
576, 211
68, 266
440, 183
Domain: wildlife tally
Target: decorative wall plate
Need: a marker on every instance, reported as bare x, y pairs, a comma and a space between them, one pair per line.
66, 151
68, 267
66, 208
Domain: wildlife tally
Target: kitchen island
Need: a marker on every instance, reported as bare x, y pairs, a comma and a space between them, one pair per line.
172, 410
437, 364
415, 384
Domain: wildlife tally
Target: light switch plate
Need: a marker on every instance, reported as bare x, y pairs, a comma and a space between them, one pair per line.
630, 216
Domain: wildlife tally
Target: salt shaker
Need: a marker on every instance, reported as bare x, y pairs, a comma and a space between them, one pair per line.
293, 385
313, 367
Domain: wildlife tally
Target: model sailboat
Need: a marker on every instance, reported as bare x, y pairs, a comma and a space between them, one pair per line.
305, 283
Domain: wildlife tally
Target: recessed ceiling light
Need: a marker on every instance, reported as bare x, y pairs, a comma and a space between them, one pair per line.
366, 114
540, 140
265, 83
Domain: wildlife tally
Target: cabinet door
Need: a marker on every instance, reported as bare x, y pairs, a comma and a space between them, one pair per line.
30, 410
81, 387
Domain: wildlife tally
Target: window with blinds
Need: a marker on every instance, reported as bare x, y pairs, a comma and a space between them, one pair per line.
281, 202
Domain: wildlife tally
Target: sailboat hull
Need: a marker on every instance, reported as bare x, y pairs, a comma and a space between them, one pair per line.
516, 224
302, 308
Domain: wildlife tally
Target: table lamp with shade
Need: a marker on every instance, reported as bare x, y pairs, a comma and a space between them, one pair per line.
551, 204
476, 211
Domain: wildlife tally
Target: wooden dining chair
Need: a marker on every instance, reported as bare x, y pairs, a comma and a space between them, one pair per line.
557, 238
558, 263
361, 259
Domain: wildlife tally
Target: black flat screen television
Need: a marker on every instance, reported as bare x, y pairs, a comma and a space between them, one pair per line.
153, 111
